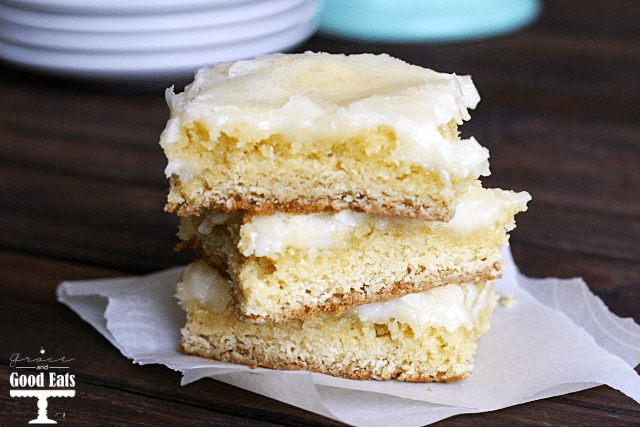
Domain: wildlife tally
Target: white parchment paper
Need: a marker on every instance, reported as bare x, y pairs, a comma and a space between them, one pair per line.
558, 338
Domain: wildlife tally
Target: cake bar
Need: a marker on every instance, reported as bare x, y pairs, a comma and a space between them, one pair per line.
286, 266
315, 132
423, 337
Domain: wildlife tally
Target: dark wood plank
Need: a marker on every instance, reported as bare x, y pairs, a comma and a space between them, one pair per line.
579, 231
550, 412
616, 282
567, 162
575, 172
88, 157
102, 365
77, 110
96, 221
595, 18
40, 276
25, 326
102, 406
92, 242
35, 317
92, 220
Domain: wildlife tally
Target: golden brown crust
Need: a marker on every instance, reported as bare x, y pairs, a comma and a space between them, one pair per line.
340, 303
436, 210
342, 371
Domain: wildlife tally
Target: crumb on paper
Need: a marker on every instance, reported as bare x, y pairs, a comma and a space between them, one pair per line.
508, 301
428, 388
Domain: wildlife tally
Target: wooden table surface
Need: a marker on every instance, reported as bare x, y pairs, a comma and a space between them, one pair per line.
82, 192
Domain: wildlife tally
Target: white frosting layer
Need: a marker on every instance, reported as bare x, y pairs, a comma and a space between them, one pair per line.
311, 95
266, 235
209, 221
203, 284
479, 208
449, 307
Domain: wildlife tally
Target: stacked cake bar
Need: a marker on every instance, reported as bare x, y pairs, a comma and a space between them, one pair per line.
337, 215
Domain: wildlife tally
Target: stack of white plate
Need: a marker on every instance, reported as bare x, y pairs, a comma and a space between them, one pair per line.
147, 40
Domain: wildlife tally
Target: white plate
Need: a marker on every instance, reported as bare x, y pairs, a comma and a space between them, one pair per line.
187, 38
121, 7
141, 23
151, 66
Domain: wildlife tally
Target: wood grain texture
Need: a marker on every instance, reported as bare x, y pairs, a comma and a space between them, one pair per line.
82, 191
100, 405
37, 315
28, 321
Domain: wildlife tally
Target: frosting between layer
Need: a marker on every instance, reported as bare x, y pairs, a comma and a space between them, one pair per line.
479, 209
448, 306
203, 284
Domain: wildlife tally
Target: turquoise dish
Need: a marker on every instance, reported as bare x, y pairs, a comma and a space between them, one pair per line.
425, 20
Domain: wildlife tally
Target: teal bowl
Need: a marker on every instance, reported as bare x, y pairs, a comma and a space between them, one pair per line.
425, 20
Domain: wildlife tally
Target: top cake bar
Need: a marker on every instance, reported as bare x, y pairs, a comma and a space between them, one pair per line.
317, 132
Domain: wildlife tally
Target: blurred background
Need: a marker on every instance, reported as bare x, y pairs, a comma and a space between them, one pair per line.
142, 43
